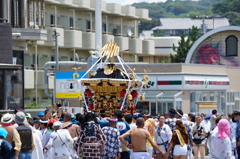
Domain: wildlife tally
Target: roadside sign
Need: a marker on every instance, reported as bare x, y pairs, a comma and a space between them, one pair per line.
65, 86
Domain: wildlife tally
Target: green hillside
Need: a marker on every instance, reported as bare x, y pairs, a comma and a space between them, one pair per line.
229, 9
176, 9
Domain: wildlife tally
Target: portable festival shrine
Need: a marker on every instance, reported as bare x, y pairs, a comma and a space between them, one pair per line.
110, 87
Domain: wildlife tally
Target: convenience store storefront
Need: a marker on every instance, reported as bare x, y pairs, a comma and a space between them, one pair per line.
163, 92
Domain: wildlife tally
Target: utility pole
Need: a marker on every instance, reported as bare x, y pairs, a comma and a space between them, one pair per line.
98, 36
55, 36
213, 20
204, 25
98, 25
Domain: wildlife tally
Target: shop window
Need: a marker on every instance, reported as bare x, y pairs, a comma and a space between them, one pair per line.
205, 96
237, 105
193, 102
153, 108
179, 105
160, 107
14, 89
211, 96
231, 46
223, 101
143, 106
199, 96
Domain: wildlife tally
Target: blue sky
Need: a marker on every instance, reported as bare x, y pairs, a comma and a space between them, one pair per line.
125, 2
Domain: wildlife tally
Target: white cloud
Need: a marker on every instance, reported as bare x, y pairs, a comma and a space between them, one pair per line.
126, 2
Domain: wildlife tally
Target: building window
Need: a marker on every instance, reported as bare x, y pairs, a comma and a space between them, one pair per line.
231, 46
88, 25
140, 59
104, 27
71, 22
52, 19
27, 60
207, 96
34, 59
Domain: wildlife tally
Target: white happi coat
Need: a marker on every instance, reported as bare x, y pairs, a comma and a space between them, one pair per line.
61, 143
219, 148
37, 153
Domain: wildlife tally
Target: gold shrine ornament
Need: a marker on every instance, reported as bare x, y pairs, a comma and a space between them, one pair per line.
142, 97
129, 97
80, 98
110, 50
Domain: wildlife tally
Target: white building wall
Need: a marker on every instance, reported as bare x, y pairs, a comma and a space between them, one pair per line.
163, 45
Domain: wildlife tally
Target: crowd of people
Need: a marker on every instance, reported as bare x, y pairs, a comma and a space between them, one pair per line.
57, 134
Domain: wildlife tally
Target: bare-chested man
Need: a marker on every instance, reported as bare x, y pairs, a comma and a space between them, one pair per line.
72, 128
139, 138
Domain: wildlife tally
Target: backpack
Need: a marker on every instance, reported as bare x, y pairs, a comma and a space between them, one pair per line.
90, 129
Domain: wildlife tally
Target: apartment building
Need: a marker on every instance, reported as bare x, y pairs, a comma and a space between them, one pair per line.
74, 21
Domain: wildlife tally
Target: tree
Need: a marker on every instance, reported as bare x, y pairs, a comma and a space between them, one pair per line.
158, 33
148, 25
230, 9
231, 16
184, 45
193, 34
236, 21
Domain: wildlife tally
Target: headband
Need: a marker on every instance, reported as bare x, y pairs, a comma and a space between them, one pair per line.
171, 114
44, 122
178, 113
112, 119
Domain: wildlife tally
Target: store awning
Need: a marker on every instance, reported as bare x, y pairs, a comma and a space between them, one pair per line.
166, 95
151, 94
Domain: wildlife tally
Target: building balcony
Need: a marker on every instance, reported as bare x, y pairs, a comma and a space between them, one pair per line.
106, 38
82, 3
50, 83
29, 79
142, 13
114, 8
40, 83
50, 40
103, 5
30, 34
148, 47
129, 10
88, 41
136, 45
68, 2
52, 1
73, 39
122, 42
